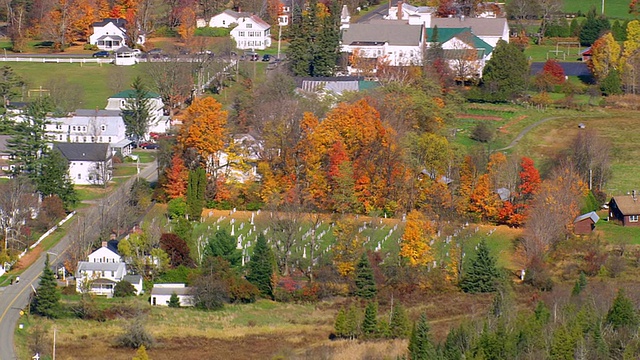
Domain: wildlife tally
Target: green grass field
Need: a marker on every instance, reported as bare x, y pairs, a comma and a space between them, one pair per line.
612, 8
97, 81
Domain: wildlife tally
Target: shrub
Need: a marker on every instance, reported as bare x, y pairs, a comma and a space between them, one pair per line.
123, 289
165, 31
482, 132
174, 301
90, 47
177, 208
135, 335
213, 32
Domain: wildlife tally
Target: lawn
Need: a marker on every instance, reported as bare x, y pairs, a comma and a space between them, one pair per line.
97, 81
124, 170
617, 234
145, 156
612, 8
541, 53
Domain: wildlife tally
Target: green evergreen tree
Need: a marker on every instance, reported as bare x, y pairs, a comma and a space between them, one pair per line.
196, 187
505, 74
10, 85
370, 321
174, 301
54, 179
593, 28
365, 281
420, 345
46, 302
352, 321
183, 228
224, 245
399, 326
619, 33
482, 273
383, 330
30, 141
261, 267
622, 312
580, 284
612, 83
541, 313
340, 325
562, 345
574, 27
136, 113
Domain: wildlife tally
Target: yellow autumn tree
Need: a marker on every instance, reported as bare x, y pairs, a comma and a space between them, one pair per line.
347, 248
415, 240
484, 201
454, 266
605, 56
203, 129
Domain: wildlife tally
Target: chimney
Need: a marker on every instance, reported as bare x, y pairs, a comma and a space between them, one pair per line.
104, 244
399, 13
633, 195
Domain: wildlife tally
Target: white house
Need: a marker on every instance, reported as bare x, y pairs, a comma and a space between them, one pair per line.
250, 32
99, 278
5, 156
159, 123
394, 43
89, 164
243, 165
125, 56
413, 14
465, 53
161, 293
226, 18
107, 253
110, 34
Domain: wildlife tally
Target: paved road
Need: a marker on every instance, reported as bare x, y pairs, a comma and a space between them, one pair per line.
14, 298
375, 14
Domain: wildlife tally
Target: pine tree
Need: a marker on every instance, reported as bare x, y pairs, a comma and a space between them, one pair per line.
261, 267
30, 141
505, 75
46, 302
370, 321
482, 274
365, 282
562, 344
580, 285
224, 245
420, 345
340, 325
196, 186
622, 312
352, 322
54, 179
399, 326
137, 111
141, 354
174, 301
592, 28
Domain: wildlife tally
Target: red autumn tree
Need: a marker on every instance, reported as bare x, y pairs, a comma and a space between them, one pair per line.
529, 179
554, 71
177, 249
177, 176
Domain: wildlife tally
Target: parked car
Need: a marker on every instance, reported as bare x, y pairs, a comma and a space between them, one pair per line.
137, 52
101, 54
150, 146
266, 57
251, 55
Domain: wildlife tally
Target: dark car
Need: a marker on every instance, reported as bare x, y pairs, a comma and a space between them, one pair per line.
251, 55
150, 146
101, 54
266, 57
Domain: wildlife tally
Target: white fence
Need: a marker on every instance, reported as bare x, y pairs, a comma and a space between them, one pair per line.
69, 60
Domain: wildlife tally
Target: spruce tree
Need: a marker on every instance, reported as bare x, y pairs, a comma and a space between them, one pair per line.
580, 284
365, 282
30, 141
46, 302
420, 345
224, 245
622, 312
340, 325
370, 321
137, 111
196, 188
399, 326
505, 75
54, 179
593, 28
174, 301
261, 267
482, 273
352, 322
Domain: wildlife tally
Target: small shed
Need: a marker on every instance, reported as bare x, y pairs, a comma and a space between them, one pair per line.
161, 293
585, 223
126, 56
586, 54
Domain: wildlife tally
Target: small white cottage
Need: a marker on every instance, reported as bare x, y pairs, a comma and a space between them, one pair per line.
161, 293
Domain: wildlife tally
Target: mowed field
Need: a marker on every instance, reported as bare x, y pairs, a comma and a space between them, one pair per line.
612, 8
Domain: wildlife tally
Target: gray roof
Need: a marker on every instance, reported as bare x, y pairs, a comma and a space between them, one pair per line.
132, 279
169, 291
84, 151
591, 215
111, 37
118, 22
479, 26
236, 14
4, 149
398, 33
97, 112
100, 266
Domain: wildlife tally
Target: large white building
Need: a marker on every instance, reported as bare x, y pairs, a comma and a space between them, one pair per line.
89, 163
110, 34
250, 32
159, 123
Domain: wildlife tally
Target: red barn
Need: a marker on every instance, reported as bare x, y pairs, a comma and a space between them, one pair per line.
585, 224
625, 209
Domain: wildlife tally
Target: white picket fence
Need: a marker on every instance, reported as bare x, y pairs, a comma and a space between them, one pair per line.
57, 60
44, 236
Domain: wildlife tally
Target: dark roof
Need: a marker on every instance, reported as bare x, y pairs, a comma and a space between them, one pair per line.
118, 22
590, 215
570, 68
132, 279
84, 151
126, 94
4, 149
627, 204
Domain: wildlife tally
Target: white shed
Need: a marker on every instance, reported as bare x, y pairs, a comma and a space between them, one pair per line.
161, 293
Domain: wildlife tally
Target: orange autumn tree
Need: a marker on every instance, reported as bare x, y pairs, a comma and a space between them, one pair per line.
415, 246
348, 246
484, 201
176, 178
203, 129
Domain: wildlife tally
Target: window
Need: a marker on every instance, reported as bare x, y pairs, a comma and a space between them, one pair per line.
103, 127
73, 128
224, 22
633, 218
113, 274
249, 26
84, 139
84, 128
93, 139
79, 176
109, 138
58, 127
60, 137
240, 33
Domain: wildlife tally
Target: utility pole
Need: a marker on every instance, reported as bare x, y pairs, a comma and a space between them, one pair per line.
602, 7
54, 343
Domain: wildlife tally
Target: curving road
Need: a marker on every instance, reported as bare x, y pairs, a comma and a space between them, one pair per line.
14, 298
